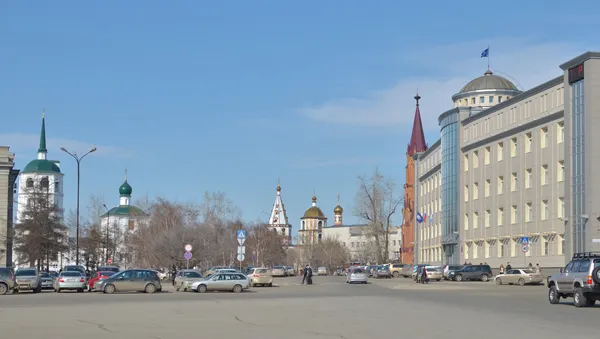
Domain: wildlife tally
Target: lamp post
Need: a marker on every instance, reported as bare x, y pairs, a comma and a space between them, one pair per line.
107, 224
78, 160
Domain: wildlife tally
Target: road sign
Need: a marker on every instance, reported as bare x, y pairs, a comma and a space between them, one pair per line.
188, 255
109, 261
241, 257
241, 241
241, 234
524, 240
188, 248
525, 248
241, 249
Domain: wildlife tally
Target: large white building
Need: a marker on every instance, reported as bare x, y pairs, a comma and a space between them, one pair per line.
511, 178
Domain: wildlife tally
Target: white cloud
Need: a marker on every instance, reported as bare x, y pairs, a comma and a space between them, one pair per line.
528, 62
31, 142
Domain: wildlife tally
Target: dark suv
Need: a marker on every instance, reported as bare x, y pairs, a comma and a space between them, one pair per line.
580, 279
472, 272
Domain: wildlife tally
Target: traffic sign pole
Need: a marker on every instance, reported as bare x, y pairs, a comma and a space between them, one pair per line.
241, 238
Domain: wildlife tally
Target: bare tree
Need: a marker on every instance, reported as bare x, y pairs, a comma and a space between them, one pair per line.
330, 253
265, 246
376, 203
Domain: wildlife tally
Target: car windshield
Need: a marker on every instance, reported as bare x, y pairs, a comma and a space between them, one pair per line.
192, 275
262, 271
45, 275
70, 274
25, 273
358, 271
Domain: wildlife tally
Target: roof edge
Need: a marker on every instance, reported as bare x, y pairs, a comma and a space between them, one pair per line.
579, 59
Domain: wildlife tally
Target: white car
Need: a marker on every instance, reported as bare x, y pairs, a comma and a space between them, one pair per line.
235, 282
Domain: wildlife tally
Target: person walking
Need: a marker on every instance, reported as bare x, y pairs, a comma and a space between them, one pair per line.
424, 279
309, 275
501, 268
508, 267
304, 274
538, 268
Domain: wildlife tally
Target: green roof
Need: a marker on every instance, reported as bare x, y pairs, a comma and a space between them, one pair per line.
125, 210
125, 189
41, 166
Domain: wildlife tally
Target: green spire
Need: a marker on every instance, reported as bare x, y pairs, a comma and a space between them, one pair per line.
42, 148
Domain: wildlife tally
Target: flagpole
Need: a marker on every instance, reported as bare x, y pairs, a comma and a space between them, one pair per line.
488, 57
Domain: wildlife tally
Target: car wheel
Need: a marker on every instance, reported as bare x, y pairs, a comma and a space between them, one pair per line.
150, 288
458, 277
596, 275
522, 282
396, 274
553, 296
270, 284
201, 289
237, 288
498, 281
3, 288
484, 278
109, 289
579, 299
438, 280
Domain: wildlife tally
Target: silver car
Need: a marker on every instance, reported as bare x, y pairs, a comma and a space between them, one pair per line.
357, 275
235, 282
47, 281
70, 280
28, 279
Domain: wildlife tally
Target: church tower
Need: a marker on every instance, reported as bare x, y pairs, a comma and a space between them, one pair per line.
417, 144
279, 220
337, 213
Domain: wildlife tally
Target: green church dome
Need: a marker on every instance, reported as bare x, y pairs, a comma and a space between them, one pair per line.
125, 189
41, 166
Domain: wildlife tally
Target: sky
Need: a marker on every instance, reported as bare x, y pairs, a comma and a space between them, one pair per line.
195, 96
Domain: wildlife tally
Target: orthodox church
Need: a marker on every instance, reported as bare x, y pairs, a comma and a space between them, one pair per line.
117, 223
312, 224
279, 220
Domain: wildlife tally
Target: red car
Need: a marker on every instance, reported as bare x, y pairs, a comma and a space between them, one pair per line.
97, 276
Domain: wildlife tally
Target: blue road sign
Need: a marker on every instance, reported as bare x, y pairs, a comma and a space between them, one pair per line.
241, 234
524, 240
188, 255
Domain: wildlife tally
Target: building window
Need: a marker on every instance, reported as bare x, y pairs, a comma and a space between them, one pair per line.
545, 246
131, 225
473, 101
528, 177
561, 171
466, 221
481, 100
486, 249
466, 162
528, 211
487, 155
466, 246
475, 250
499, 99
513, 248
466, 192
486, 221
475, 191
560, 132
544, 210
56, 187
475, 220
45, 183
514, 214
487, 187
561, 244
500, 184
500, 150
500, 216
561, 207
544, 175
490, 99
475, 159
528, 142
544, 137
29, 183
513, 182
500, 249
514, 145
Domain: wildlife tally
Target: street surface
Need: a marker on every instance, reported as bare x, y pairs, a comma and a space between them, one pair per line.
329, 309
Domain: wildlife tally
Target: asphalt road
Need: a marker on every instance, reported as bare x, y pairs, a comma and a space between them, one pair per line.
330, 308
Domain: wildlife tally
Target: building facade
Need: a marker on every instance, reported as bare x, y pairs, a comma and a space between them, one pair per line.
359, 243
516, 185
8, 176
312, 224
279, 220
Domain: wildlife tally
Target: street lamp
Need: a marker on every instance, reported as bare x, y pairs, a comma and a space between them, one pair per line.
107, 224
78, 160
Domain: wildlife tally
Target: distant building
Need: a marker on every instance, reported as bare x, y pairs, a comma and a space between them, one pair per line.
279, 220
312, 224
8, 176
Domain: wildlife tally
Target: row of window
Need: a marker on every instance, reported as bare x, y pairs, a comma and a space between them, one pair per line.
431, 231
44, 184
514, 214
514, 146
432, 160
431, 183
545, 247
482, 100
514, 181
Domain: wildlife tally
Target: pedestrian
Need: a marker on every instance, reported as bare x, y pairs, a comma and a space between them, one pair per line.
530, 267
173, 275
309, 276
424, 276
501, 268
304, 274
465, 264
508, 267
538, 268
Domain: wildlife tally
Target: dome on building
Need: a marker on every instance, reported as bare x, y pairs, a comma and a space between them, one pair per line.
41, 166
125, 189
489, 81
338, 209
314, 211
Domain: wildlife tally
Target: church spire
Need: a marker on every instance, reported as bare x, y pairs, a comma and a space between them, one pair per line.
417, 139
278, 213
42, 151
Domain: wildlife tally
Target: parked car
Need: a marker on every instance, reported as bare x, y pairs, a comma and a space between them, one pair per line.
472, 272
47, 281
580, 279
450, 268
134, 280
185, 278
114, 269
70, 280
235, 282
7, 280
357, 275
279, 271
28, 279
382, 272
434, 273
396, 269
520, 277
97, 276
322, 270
77, 268
407, 270
260, 276
214, 270
290, 271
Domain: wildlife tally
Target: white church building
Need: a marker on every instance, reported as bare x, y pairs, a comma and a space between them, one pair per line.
279, 220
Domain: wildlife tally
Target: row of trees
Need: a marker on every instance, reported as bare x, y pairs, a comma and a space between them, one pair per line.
157, 240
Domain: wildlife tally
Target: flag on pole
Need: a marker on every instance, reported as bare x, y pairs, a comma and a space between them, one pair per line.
485, 53
424, 216
419, 217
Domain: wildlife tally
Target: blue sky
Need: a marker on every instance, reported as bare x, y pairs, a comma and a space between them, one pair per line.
195, 96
